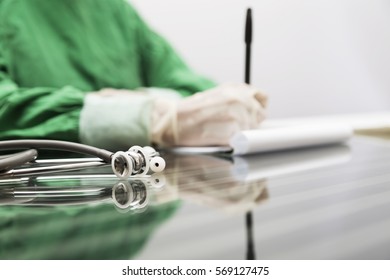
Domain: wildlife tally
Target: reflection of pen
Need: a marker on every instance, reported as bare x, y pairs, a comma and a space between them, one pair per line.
248, 41
250, 250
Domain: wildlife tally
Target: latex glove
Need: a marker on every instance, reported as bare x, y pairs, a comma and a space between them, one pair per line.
207, 118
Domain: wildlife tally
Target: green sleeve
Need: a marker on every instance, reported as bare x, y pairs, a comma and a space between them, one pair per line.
161, 66
38, 112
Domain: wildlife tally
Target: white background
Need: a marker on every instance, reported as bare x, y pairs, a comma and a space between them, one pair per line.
311, 57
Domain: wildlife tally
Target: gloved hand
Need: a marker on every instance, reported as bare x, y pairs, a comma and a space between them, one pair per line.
207, 118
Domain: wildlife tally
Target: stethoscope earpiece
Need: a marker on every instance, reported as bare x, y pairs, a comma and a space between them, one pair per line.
122, 165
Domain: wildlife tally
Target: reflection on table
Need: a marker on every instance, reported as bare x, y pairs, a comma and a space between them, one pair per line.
78, 216
92, 215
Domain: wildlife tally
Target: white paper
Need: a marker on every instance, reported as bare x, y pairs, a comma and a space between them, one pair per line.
288, 137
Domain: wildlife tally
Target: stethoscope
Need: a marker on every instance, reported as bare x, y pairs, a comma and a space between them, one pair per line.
136, 161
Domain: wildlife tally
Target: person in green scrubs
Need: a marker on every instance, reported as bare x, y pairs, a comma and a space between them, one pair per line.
93, 71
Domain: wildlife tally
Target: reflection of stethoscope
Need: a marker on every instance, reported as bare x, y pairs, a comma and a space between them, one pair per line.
131, 194
136, 161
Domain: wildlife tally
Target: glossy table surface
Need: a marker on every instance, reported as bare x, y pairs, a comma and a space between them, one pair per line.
320, 203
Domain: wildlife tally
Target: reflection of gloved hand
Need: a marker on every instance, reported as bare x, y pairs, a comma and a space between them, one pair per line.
211, 181
207, 118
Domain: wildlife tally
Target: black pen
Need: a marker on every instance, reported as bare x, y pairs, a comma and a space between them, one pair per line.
248, 41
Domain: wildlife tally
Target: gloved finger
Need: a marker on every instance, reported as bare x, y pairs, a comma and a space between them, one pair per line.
250, 116
245, 89
215, 103
215, 133
257, 115
234, 113
262, 98
217, 97
244, 118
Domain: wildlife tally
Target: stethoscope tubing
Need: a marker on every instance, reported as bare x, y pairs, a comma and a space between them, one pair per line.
9, 162
56, 145
51, 169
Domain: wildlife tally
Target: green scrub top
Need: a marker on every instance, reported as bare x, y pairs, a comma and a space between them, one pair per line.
52, 53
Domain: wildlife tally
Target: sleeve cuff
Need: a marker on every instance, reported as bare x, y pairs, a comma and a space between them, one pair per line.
117, 121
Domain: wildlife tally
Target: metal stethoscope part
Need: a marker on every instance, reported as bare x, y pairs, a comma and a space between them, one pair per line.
136, 161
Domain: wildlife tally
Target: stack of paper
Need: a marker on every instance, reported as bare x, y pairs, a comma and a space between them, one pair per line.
285, 134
